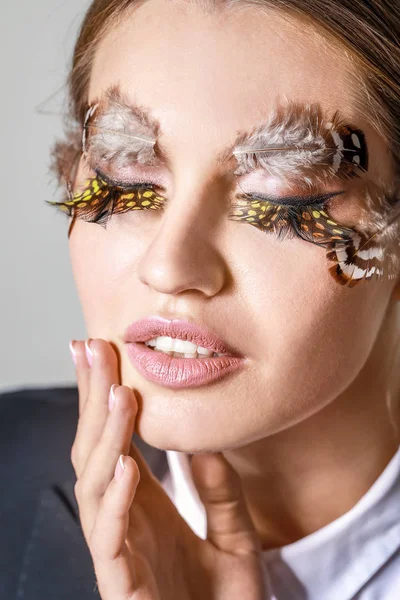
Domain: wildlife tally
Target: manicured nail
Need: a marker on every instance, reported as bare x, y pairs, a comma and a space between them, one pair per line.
119, 468
111, 397
89, 353
73, 353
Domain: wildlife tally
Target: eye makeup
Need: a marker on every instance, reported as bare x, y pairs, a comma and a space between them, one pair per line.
102, 197
356, 255
297, 146
288, 216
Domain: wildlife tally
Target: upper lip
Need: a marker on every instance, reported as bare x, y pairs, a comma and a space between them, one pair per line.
151, 327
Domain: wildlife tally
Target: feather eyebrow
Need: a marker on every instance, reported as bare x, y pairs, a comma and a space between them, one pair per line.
295, 139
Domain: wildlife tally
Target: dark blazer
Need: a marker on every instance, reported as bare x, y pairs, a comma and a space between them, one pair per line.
43, 553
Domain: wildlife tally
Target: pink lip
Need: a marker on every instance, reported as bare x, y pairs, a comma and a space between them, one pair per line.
178, 372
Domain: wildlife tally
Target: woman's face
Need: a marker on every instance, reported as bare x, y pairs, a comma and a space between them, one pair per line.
305, 338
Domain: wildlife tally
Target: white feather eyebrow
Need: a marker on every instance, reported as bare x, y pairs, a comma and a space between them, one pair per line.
294, 138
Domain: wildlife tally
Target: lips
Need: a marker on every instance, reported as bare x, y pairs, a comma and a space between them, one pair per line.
152, 327
174, 372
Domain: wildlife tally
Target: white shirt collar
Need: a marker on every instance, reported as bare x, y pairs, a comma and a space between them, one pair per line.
335, 561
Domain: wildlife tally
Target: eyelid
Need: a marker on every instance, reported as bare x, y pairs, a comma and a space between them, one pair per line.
126, 185
297, 200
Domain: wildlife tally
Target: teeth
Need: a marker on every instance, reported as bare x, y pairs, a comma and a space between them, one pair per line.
180, 348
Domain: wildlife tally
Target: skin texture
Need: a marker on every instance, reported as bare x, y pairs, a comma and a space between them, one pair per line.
309, 410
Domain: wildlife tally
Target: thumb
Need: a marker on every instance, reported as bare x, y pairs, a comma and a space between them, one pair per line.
229, 525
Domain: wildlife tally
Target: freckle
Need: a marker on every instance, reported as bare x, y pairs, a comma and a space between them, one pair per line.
132, 203
137, 208
146, 202
250, 219
64, 208
95, 201
255, 204
252, 213
81, 204
159, 198
320, 226
70, 202
306, 216
316, 214
128, 196
330, 222
316, 234
303, 226
337, 230
237, 212
148, 194
274, 217
324, 213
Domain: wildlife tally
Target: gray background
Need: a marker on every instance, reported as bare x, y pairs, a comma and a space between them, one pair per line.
40, 309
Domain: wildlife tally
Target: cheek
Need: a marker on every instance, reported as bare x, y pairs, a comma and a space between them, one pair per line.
312, 335
100, 268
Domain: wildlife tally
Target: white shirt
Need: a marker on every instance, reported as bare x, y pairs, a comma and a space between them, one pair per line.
355, 557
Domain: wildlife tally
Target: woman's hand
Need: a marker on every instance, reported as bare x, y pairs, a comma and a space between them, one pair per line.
142, 549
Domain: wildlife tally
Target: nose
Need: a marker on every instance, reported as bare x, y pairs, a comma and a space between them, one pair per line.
184, 253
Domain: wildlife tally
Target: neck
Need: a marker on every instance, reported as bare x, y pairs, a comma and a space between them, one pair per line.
305, 477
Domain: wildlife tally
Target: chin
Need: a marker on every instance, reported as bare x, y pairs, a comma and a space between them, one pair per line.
177, 434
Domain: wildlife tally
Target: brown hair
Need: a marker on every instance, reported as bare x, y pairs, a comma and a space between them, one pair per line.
369, 29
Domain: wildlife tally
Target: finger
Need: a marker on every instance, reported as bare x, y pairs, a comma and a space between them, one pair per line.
114, 440
82, 370
99, 468
229, 525
113, 562
103, 373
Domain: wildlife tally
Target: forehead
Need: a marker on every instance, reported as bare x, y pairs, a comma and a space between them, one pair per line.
206, 76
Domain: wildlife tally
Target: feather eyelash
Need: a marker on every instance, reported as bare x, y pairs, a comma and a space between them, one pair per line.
368, 257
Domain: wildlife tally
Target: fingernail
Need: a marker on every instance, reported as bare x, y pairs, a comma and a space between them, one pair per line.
111, 397
73, 353
119, 468
89, 353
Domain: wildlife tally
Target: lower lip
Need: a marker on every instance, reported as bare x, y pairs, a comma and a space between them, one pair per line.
178, 373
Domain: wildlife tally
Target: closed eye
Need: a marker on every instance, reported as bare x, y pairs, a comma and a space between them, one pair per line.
296, 200
102, 197
126, 186
301, 216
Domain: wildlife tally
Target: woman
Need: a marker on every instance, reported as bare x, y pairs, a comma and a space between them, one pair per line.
191, 122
